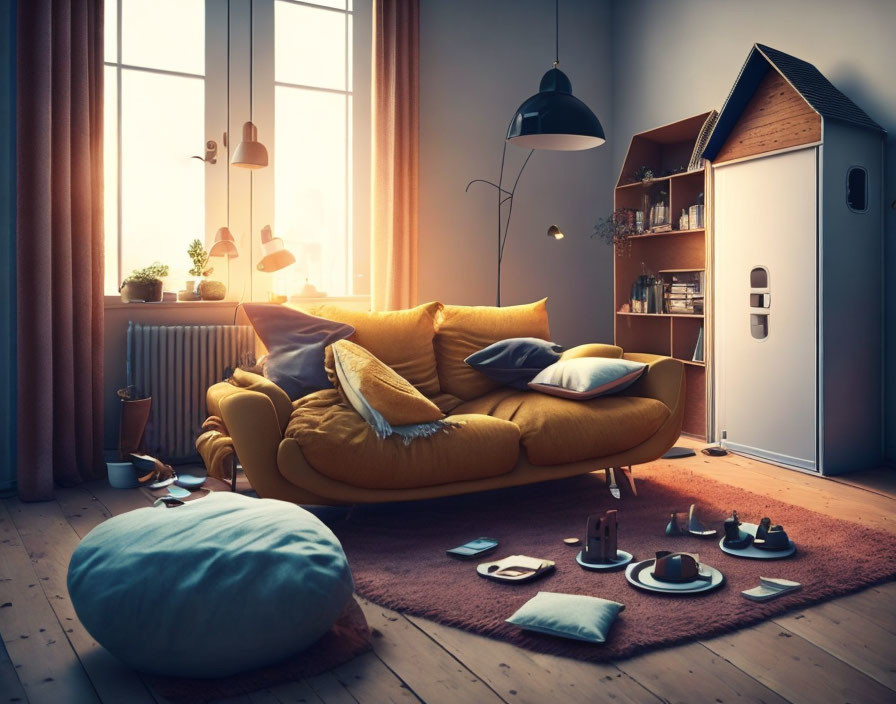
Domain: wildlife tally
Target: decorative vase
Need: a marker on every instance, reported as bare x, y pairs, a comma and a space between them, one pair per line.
132, 424
189, 291
141, 291
212, 290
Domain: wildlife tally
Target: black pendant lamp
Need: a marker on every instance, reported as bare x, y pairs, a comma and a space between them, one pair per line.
554, 118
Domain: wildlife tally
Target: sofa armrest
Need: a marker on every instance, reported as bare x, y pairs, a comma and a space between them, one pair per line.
663, 379
251, 422
593, 349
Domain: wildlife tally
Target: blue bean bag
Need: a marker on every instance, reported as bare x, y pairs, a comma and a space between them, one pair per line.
221, 585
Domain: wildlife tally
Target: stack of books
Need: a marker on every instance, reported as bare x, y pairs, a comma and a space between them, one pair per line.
684, 292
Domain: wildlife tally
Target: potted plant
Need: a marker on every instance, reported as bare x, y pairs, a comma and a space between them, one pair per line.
617, 229
209, 290
144, 285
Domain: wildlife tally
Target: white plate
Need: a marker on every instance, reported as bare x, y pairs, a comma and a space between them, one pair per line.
622, 558
754, 552
638, 575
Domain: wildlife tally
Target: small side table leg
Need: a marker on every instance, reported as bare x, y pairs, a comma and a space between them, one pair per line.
630, 478
233, 474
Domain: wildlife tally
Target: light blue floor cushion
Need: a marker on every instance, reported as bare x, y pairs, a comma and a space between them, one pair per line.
218, 586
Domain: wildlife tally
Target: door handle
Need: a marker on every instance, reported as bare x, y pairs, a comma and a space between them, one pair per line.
211, 153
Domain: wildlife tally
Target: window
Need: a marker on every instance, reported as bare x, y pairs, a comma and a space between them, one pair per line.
178, 76
857, 189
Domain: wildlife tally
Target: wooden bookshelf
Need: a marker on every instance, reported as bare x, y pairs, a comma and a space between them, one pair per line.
664, 149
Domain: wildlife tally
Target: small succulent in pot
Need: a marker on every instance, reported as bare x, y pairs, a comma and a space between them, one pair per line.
208, 290
144, 285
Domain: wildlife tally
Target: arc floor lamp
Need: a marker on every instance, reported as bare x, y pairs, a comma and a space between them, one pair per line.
553, 119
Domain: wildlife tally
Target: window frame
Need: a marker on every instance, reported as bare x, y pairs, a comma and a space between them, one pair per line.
243, 198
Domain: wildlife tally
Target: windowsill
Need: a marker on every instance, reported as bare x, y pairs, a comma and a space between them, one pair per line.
115, 302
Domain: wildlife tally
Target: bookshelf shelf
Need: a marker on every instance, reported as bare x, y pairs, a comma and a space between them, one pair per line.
665, 253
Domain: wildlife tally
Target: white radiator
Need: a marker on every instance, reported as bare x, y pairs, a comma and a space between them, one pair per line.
175, 365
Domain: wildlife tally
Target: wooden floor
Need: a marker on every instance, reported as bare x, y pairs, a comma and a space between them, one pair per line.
839, 651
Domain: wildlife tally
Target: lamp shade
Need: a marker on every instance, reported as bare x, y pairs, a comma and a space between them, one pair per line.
224, 245
276, 256
250, 153
554, 118
555, 232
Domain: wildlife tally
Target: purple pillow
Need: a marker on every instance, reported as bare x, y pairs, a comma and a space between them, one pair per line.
515, 361
295, 342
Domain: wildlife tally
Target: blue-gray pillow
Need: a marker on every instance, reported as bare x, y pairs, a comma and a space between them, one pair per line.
574, 616
515, 361
221, 585
295, 342
587, 377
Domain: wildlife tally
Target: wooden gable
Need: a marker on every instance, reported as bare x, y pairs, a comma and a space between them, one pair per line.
776, 117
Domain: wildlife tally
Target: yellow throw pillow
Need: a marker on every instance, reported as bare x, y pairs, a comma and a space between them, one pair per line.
400, 338
380, 395
463, 330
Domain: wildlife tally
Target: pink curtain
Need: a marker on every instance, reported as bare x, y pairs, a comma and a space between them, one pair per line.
396, 97
59, 245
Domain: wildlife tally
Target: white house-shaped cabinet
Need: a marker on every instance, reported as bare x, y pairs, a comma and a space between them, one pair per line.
797, 209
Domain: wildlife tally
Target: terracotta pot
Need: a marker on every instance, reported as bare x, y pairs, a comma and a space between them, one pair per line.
212, 290
141, 291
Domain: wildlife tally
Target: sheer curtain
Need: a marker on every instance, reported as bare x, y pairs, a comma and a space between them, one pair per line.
59, 243
395, 151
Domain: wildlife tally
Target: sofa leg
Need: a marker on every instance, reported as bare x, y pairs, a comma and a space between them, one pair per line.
630, 477
233, 473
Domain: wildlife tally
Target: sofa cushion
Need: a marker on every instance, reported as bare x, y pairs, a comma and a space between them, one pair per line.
587, 377
557, 430
515, 362
220, 585
295, 342
381, 396
403, 339
339, 444
463, 330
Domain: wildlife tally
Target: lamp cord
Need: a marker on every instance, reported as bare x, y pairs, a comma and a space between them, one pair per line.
503, 196
556, 33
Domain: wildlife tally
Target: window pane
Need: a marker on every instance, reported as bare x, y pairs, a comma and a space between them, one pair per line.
164, 34
339, 4
163, 189
110, 178
310, 188
110, 31
310, 46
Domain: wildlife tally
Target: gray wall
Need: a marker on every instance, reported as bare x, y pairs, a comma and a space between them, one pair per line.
478, 62
7, 246
674, 59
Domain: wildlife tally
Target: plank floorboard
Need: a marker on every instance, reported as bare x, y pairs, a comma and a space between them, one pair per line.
877, 603
525, 677
796, 669
330, 689
295, 693
692, 673
51, 540
428, 669
10, 688
370, 682
47, 666
853, 638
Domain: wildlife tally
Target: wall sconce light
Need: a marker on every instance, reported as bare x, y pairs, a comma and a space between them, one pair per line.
250, 153
276, 256
554, 231
224, 245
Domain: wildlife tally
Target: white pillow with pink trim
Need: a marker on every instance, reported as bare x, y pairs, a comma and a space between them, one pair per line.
587, 377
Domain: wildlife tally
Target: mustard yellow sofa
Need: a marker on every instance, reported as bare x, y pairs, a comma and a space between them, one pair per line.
318, 450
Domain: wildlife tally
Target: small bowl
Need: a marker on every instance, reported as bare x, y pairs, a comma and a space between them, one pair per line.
122, 475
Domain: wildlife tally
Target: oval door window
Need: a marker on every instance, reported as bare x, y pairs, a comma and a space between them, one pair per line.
759, 277
857, 189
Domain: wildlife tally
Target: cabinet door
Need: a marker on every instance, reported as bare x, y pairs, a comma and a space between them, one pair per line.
765, 225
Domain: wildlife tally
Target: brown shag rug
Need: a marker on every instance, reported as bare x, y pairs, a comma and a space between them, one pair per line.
397, 556
348, 638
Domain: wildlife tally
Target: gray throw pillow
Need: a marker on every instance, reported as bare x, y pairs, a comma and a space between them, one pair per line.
295, 342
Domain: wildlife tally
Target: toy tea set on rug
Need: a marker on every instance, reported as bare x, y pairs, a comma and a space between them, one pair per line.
668, 572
